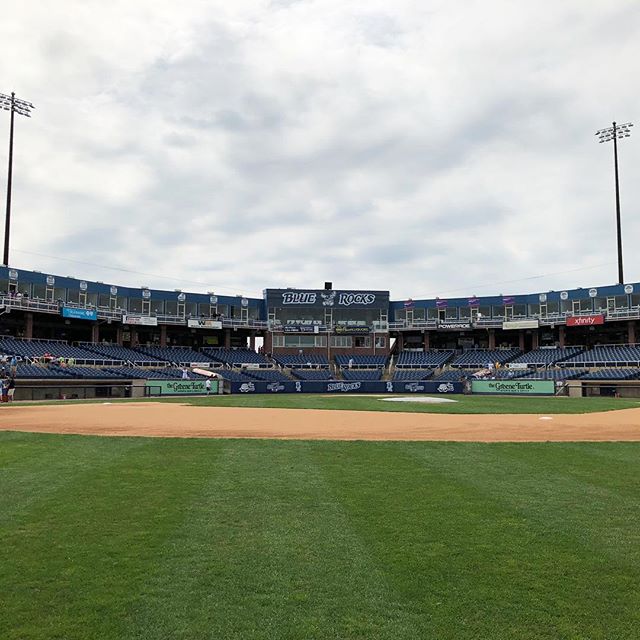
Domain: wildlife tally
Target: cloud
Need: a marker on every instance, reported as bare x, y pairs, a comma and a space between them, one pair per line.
422, 147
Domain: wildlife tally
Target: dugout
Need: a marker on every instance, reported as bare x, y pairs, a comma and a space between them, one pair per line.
603, 388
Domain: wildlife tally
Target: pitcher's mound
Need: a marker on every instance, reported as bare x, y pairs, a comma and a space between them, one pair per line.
418, 399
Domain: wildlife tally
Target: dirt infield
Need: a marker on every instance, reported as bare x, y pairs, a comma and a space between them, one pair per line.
183, 421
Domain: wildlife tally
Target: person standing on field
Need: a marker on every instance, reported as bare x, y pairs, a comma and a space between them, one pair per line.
207, 385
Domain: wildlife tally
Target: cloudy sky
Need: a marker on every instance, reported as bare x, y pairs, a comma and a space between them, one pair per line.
422, 146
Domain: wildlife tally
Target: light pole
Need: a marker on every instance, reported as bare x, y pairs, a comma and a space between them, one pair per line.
606, 135
23, 108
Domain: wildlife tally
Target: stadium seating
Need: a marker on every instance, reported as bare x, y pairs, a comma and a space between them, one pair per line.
116, 352
362, 374
412, 374
612, 374
58, 349
616, 355
177, 355
234, 376
33, 371
554, 374
453, 375
301, 361
480, 358
365, 362
423, 359
312, 374
268, 375
236, 357
539, 357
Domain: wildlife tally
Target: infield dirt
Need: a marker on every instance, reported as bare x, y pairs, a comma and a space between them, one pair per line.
184, 421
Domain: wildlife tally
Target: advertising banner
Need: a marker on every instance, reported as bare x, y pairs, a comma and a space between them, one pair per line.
319, 298
204, 323
342, 329
514, 387
520, 324
79, 314
585, 321
147, 321
179, 387
346, 386
301, 328
454, 326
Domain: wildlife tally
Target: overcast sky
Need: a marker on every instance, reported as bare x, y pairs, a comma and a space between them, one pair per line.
426, 147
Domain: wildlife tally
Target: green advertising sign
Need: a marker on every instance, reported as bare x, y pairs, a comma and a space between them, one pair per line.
517, 387
179, 387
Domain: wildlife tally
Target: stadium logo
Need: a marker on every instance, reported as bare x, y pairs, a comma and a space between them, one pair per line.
445, 387
414, 387
347, 299
298, 297
389, 387
247, 387
328, 299
343, 386
275, 387
298, 386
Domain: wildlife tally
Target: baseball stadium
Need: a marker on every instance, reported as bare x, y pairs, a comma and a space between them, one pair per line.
318, 463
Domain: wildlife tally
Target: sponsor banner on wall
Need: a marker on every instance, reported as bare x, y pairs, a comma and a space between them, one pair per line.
204, 324
179, 387
517, 365
79, 314
346, 386
520, 324
514, 387
343, 329
147, 321
300, 328
585, 321
319, 298
454, 326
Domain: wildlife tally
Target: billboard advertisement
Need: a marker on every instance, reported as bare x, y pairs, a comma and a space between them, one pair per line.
323, 298
585, 321
204, 324
146, 321
179, 387
79, 314
514, 387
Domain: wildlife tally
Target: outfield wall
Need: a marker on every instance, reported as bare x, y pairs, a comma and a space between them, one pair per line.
344, 386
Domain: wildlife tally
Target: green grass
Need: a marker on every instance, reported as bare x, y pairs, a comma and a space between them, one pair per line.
464, 404
119, 538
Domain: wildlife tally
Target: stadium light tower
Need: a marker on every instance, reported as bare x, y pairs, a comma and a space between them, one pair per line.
22, 108
606, 135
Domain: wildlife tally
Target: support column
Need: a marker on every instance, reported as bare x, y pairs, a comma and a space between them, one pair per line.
631, 332
119, 336
535, 340
95, 332
561, 331
492, 339
28, 325
163, 335
426, 341
252, 342
521, 340
400, 341
134, 337
227, 338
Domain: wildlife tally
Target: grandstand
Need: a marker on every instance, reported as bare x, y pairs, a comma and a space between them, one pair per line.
412, 374
312, 374
361, 361
547, 356
604, 356
117, 353
362, 374
423, 359
237, 357
479, 358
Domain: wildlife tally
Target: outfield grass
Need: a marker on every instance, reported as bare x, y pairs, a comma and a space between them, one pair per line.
124, 538
464, 404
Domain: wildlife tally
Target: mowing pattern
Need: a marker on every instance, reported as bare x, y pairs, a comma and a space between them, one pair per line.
182, 539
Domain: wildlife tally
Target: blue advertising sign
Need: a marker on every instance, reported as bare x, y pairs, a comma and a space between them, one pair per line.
346, 386
79, 314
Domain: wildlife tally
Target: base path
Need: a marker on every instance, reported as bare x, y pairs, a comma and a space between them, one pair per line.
183, 421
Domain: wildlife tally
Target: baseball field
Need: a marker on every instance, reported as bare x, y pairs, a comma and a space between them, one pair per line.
331, 517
